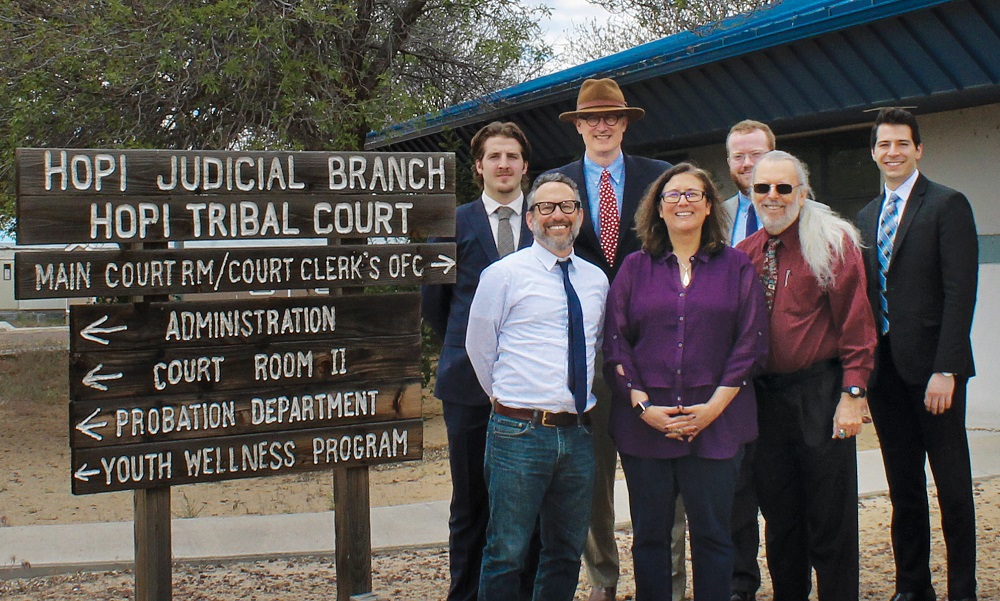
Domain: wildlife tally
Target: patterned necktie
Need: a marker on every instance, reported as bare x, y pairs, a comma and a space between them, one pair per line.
888, 222
751, 221
505, 235
608, 209
577, 366
769, 277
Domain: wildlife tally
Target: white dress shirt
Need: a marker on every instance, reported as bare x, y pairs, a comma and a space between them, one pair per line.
515, 220
518, 336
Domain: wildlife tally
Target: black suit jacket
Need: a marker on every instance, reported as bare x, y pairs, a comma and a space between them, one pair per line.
931, 282
445, 307
640, 172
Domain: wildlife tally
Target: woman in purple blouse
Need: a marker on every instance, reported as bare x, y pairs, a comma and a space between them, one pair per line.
686, 329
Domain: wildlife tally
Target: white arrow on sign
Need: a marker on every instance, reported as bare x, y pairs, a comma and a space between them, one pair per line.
84, 474
446, 262
90, 331
87, 428
93, 379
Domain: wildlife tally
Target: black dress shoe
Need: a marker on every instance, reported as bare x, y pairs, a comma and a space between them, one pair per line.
743, 596
927, 595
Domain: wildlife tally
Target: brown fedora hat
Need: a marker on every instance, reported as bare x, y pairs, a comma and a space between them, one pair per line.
601, 96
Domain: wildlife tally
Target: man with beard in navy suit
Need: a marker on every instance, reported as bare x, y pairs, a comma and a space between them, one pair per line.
486, 230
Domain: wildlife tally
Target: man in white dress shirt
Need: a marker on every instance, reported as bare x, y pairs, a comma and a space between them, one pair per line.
534, 328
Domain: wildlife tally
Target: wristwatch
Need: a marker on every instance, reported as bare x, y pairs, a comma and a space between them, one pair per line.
641, 407
856, 392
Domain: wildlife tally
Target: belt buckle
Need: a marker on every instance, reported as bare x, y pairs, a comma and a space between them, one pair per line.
545, 417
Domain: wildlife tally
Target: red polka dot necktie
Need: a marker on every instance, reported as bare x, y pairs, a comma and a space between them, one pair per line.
608, 209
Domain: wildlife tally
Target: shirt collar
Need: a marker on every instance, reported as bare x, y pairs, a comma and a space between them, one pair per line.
743, 200
491, 205
546, 258
616, 169
904, 189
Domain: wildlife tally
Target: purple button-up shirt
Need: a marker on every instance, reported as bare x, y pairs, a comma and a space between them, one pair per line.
679, 344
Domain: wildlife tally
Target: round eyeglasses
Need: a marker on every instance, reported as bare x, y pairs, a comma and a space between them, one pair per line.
610, 120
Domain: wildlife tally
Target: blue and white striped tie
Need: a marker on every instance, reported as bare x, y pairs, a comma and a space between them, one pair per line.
888, 223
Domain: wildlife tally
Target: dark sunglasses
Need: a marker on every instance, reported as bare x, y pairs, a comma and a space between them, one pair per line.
783, 189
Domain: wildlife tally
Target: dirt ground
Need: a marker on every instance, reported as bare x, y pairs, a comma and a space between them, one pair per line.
35, 489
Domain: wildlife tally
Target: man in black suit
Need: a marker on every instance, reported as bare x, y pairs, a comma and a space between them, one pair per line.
922, 262
611, 184
486, 229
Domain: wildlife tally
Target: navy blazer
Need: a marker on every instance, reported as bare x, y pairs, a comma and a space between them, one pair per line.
445, 307
640, 172
931, 282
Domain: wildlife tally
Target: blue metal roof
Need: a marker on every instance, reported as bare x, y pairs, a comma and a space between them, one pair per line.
798, 64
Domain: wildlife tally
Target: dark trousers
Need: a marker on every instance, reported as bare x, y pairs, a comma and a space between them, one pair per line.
470, 503
706, 486
807, 485
909, 435
746, 530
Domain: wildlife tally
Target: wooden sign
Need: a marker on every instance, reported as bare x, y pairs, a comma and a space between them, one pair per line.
155, 272
127, 467
224, 414
48, 219
133, 326
92, 172
143, 373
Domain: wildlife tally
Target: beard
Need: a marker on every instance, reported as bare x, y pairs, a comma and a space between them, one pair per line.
556, 242
775, 224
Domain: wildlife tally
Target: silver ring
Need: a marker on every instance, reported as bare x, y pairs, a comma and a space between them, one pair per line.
841, 433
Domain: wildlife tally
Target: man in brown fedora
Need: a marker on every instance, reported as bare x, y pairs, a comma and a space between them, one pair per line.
611, 184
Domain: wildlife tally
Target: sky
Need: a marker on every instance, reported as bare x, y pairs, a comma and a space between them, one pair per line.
564, 14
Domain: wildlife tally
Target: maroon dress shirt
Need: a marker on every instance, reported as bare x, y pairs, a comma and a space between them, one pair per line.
810, 324
679, 344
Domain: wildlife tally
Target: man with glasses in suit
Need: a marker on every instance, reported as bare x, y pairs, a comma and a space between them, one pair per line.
486, 229
611, 183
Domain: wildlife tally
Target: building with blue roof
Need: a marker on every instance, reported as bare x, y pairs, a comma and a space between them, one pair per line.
814, 70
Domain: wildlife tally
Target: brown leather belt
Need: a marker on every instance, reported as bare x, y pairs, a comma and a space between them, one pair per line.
545, 418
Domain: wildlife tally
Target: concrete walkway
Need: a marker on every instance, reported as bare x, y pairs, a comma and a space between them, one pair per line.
38, 550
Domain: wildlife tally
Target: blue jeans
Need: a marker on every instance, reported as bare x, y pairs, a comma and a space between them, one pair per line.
536, 473
707, 487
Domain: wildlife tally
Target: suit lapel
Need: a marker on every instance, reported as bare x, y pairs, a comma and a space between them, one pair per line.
576, 173
483, 232
630, 203
526, 236
913, 204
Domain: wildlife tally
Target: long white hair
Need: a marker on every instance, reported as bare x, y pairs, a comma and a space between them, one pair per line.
824, 235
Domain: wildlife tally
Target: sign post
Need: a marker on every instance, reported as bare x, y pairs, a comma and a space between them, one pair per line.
166, 391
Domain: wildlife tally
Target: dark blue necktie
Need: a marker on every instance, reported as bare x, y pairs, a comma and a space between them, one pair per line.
751, 220
577, 344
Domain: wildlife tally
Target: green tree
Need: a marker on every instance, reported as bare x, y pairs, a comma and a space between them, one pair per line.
223, 74
636, 22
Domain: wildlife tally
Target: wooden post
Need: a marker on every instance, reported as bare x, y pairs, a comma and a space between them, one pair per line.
151, 515
153, 545
352, 525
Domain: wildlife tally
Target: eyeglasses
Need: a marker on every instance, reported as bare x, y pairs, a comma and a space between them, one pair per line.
673, 196
610, 120
547, 208
783, 189
739, 158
